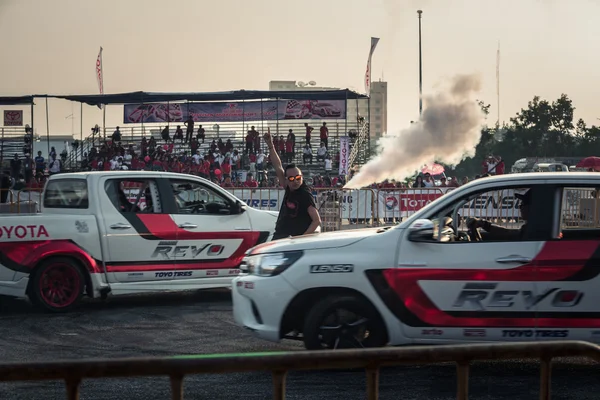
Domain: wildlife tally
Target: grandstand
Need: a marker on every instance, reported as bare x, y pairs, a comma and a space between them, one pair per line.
237, 134
339, 124
12, 141
133, 133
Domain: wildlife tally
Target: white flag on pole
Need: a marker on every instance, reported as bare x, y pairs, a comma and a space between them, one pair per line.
99, 75
374, 42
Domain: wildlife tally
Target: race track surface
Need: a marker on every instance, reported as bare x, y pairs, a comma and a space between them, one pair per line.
202, 323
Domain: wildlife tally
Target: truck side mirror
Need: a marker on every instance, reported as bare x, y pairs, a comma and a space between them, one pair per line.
238, 207
421, 231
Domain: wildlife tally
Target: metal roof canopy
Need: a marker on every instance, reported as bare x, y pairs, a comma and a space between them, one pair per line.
16, 100
153, 97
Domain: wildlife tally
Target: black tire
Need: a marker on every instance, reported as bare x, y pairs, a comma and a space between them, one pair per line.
57, 285
320, 311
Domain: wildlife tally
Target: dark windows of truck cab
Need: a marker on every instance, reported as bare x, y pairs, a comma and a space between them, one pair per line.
195, 198
502, 214
134, 195
580, 213
66, 193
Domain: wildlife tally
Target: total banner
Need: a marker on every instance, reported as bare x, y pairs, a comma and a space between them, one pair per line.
397, 204
344, 155
271, 110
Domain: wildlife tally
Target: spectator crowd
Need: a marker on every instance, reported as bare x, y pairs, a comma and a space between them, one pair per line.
225, 163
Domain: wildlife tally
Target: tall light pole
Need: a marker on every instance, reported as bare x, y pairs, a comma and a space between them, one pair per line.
419, 12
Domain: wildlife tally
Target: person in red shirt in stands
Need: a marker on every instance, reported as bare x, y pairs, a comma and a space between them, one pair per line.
226, 166
500, 166
484, 166
206, 167
196, 169
249, 142
388, 185
227, 182
289, 151
309, 130
165, 164
250, 182
325, 134
141, 165
37, 182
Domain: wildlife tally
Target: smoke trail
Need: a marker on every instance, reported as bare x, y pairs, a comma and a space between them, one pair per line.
448, 131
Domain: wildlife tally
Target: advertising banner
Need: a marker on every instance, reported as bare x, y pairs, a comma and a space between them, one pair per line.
13, 117
492, 204
234, 111
344, 155
354, 204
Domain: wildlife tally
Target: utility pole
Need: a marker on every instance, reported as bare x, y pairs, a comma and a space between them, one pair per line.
419, 12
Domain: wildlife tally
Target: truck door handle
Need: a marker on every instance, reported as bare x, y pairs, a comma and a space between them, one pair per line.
187, 225
120, 225
513, 259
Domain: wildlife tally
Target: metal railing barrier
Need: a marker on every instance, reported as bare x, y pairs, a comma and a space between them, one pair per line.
339, 208
280, 363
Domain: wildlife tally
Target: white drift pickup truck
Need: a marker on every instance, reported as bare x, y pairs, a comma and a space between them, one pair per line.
126, 232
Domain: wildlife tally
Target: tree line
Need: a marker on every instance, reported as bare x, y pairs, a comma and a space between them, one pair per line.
543, 129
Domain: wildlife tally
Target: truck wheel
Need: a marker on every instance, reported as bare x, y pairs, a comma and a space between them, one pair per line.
57, 285
343, 322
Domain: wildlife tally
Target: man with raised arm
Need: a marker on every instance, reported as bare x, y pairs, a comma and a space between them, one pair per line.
298, 215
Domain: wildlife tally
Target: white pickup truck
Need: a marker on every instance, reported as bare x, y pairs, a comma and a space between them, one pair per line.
423, 281
126, 232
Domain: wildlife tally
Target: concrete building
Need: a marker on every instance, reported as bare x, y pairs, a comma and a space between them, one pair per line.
377, 103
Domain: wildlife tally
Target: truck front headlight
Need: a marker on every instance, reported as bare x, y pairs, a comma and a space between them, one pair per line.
271, 264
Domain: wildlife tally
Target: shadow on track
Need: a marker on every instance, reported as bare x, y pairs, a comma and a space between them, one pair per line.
12, 306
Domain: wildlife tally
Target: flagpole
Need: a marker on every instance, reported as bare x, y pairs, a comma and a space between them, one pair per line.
103, 105
498, 84
420, 68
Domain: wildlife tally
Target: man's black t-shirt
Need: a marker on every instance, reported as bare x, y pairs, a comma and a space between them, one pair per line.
293, 218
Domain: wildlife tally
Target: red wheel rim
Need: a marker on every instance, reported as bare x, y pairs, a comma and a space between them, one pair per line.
59, 285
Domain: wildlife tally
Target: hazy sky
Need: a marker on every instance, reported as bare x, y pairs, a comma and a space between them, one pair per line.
548, 47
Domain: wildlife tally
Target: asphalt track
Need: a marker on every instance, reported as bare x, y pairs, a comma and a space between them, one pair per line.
201, 323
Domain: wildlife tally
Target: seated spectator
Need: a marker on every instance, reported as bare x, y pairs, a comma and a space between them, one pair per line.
178, 134
321, 152
235, 161
252, 158
307, 155
328, 164
260, 160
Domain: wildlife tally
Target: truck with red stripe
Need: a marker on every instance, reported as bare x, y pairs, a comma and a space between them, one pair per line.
102, 233
438, 277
